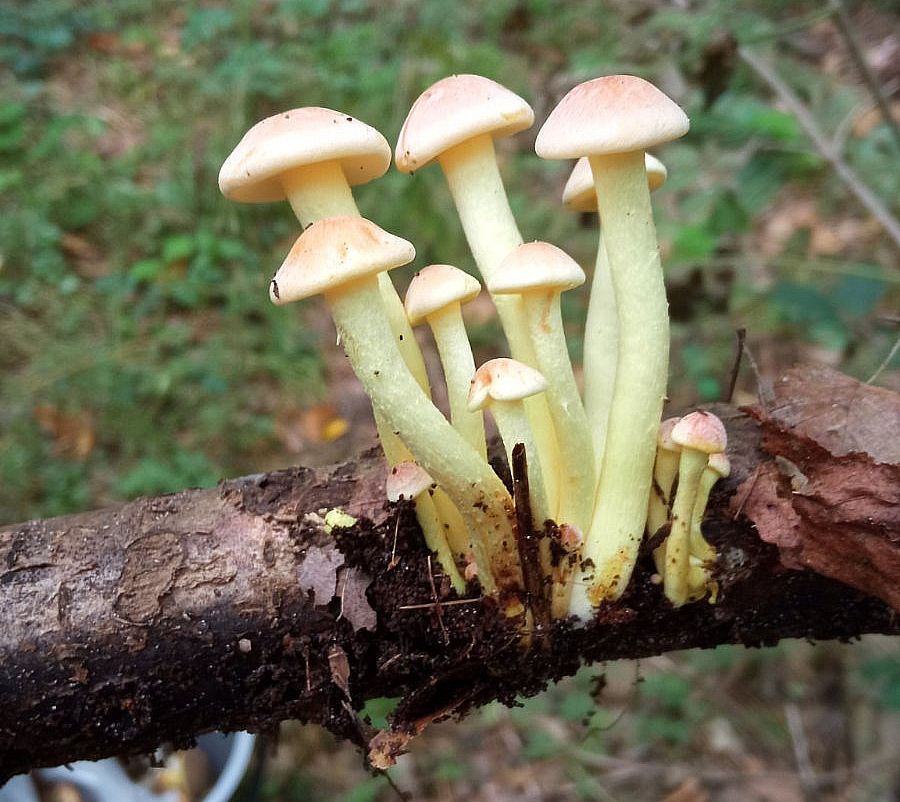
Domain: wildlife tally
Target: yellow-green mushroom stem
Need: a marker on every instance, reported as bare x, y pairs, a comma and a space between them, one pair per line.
339, 258
601, 326
502, 385
665, 469
538, 273
407, 480
717, 468
699, 434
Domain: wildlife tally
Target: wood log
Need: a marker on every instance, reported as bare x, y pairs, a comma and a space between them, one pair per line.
238, 607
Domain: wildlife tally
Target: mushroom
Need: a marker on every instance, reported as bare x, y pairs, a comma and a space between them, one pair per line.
340, 258
699, 434
613, 120
718, 467
455, 121
408, 480
665, 469
435, 295
601, 328
311, 157
502, 385
539, 272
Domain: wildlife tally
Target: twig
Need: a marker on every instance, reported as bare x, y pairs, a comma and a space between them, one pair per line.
801, 747
852, 181
845, 26
740, 335
885, 362
437, 603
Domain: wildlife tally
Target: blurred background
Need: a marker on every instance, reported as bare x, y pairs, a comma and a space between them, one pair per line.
140, 353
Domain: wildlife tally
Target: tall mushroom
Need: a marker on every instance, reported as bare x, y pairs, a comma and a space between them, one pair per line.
613, 120
436, 295
539, 273
601, 328
456, 121
311, 157
340, 258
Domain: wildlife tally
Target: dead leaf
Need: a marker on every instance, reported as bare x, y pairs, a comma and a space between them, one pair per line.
689, 791
355, 605
73, 433
318, 573
299, 428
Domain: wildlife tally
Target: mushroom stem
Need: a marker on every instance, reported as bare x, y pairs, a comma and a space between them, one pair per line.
321, 190
491, 231
573, 435
514, 428
699, 547
429, 519
459, 367
477, 491
623, 491
678, 566
601, 352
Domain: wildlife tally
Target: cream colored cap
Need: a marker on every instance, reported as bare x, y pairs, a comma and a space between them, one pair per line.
407, 480
336, 251
453, 110
664, 436
579, 194
297, 138
719, 463
436, 287
613, 114
536, 266
700, 431
503, 380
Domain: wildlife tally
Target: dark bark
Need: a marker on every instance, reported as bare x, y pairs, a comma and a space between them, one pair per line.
233, 608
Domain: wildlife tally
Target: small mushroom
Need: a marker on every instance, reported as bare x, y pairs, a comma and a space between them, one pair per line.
501, 385
718, 467
601, 327
408, 480
613, 120
436, 295
455, 121
340, 258
699, 434
539, 272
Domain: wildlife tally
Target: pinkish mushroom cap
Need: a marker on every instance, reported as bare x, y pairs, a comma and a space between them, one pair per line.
504, 380
700, 431
536, 266
435, 288
406, 481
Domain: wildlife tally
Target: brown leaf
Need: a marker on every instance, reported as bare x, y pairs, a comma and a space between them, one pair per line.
355, 606
73, 433
318, 573
689, 791
339, 666
830, 499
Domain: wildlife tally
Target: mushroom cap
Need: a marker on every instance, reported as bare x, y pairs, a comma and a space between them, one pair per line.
453, 110
407, 480
613, 114
664, 436
336, 251
700, 431
297, 138
719, 463
436, 287
579, 194
536, 266
504, 380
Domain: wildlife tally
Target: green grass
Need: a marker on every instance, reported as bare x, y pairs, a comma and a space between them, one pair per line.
133, 296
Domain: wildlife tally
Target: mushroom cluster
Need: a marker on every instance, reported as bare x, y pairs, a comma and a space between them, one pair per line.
595, 471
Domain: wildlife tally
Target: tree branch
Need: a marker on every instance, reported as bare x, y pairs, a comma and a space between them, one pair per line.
235, 608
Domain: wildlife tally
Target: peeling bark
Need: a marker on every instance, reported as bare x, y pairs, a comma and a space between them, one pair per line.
127, 627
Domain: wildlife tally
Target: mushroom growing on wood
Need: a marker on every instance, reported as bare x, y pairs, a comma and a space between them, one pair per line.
456, 121
311, 157
699, 434
502, 385
613, 120
408, 480
340, 258
601, 327
539, 272
435, 295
